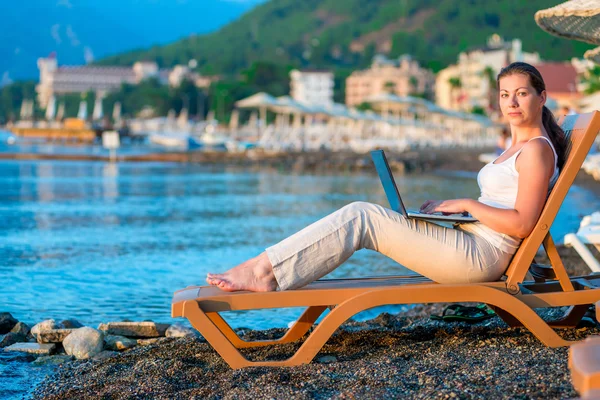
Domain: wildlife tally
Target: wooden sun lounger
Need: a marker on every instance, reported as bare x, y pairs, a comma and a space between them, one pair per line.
513, 299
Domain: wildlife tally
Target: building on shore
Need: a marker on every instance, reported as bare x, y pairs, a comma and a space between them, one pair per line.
401, 77
312, 86
470, 83
55, 79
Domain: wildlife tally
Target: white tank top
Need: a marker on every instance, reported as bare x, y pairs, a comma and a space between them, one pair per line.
499, 184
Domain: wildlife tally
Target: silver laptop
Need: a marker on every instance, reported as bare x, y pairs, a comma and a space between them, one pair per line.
393, 196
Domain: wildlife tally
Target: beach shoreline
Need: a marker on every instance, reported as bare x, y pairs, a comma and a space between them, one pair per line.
315, 162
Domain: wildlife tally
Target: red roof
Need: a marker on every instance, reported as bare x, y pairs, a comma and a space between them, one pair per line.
559, 77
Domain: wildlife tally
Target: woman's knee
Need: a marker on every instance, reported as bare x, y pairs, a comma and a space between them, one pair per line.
362, 207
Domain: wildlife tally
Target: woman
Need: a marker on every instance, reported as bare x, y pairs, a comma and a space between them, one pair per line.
514, 188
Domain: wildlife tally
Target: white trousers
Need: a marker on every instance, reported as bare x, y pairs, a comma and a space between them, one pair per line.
444, 255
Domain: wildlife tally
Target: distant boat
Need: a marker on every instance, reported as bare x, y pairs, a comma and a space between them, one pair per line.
215, 141
175, 140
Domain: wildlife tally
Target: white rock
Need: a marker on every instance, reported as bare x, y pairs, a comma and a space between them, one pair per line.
114, 342
45, 325
178, 330
34, 348
84, 343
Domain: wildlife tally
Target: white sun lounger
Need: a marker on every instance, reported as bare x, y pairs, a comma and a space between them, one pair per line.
588, 233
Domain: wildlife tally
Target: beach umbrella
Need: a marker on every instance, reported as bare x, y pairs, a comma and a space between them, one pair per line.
234, 120
287, 105
575, 19
82, 113
171, 115
24, 109
261, 101
297, 123
60, 114
51, 108
98, 113
116, 114
182, 120
210, 116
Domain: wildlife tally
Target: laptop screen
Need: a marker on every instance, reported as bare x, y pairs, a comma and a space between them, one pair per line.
387, 180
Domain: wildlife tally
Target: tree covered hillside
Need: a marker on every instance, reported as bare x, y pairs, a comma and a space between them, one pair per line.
342, 34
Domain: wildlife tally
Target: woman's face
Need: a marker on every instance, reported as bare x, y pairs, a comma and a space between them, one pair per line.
519, 102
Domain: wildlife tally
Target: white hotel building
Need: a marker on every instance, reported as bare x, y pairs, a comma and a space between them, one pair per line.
55, 79
314, 87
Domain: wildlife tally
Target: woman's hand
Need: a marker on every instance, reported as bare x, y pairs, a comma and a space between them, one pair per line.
446, 207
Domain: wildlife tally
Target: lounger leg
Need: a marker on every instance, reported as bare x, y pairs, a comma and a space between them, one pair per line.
222, 345
212, 334
300, 327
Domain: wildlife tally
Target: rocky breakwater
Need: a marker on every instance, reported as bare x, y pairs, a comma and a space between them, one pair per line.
55, 342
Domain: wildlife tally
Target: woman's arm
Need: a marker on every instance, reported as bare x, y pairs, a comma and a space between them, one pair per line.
535, 172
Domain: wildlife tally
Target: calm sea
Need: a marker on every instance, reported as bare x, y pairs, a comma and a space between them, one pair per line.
102, 242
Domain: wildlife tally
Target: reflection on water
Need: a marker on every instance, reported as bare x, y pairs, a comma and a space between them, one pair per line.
101, 242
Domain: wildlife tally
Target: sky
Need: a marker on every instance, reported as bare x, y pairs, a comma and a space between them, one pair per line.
80, 31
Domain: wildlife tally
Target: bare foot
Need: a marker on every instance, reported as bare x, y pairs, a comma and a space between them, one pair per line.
255, 275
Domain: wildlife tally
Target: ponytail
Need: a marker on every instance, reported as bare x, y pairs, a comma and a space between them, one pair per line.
557, 135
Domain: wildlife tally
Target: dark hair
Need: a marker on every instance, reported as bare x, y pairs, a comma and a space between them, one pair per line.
557, 135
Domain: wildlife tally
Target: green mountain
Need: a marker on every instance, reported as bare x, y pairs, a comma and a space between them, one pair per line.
345, 34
